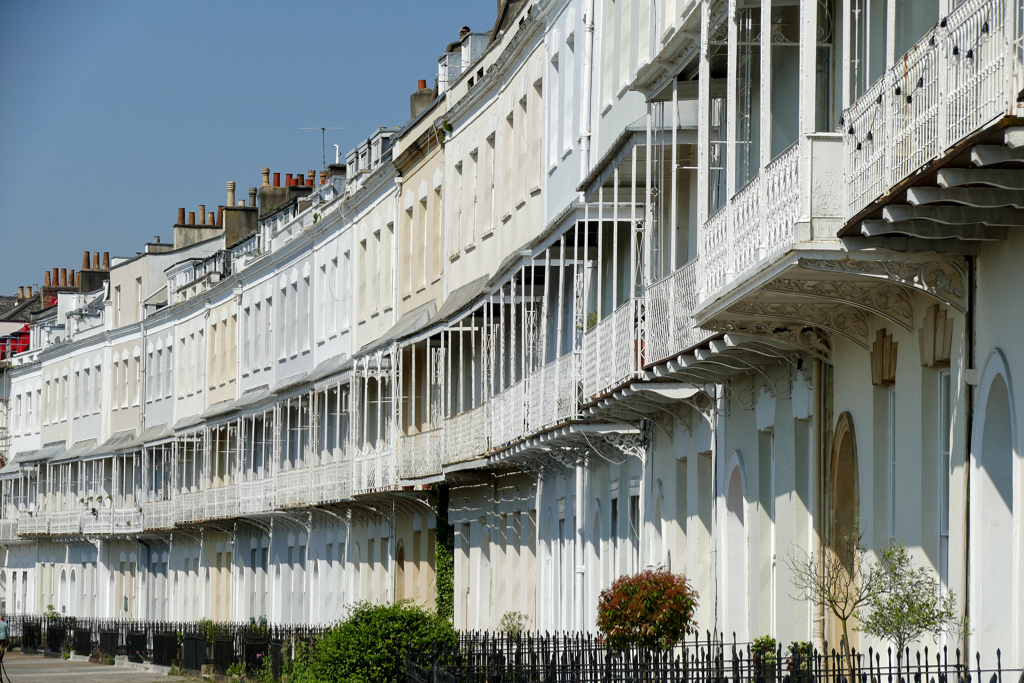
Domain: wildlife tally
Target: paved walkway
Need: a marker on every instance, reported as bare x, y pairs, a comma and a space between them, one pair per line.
38, 669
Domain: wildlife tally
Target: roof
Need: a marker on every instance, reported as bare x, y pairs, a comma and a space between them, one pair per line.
410, 322
23, 310
115, 442
79, 450
47, 452
331, 366
508, 10
462, 297
159, 298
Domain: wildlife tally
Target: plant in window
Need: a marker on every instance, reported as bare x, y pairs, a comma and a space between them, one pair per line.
652, 609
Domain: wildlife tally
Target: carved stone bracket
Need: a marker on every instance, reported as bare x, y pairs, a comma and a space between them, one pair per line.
809, 338
883, 359
841, 318
883, 298
945, 280
935, 337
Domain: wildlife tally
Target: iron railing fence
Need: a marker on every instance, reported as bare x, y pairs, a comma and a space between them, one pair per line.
582, 658
193, 642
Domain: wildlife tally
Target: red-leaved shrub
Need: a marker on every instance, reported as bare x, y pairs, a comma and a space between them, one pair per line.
653, 609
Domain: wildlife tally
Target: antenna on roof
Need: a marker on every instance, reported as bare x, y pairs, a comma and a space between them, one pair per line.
323, 140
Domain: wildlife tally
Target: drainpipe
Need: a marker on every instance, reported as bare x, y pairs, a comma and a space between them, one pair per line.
142, 378
581, 470
588, 86
970, 340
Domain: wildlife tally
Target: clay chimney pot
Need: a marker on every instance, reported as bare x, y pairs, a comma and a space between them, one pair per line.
85, 260
287, 179
28, 292
220, 216
231, 193
46, 279
277, 180
106, 260
56, 277
63, 277
71, 278
421, 84
21, 292
191, 217
201, 214
181, 215
210, 219
96, 260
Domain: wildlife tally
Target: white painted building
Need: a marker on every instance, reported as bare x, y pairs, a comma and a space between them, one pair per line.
634, 286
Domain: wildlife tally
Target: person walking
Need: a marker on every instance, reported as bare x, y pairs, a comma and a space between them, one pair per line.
4, 635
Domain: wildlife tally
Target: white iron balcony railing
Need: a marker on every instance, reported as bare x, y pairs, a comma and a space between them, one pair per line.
670, 305
293, 488
189, 507
127, 521
613, 350
508, 415
222, 502
257, 496
467, 435
373, 469
9, 529
33, 523
97, 521
420, 454
66, 522
961, 75
332, 481
553, 393
773, 213
158, 515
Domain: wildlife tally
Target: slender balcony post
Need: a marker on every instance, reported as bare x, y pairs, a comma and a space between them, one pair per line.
703, 134
730, 118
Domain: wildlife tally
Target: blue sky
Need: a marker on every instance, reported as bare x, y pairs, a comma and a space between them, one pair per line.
113, 114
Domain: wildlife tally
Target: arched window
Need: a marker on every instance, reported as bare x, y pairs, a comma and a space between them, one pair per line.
735, 589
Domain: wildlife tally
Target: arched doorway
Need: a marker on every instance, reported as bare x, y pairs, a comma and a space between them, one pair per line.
735, 549
992, 510
844, 511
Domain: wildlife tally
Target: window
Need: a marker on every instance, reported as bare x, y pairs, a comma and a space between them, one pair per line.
945, 427
117, 306
331, 296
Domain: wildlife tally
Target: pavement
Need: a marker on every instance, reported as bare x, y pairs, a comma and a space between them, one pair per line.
22, 668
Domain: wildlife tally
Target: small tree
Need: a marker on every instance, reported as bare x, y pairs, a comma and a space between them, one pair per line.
653, 609
842, 580
912, 607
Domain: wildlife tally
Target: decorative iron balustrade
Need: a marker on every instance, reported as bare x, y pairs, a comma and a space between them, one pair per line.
960, 76
257, 496
158, 515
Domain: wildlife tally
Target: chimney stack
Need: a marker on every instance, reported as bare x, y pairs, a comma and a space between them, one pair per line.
220, 216
181, 215
231, 193
191, 217
156, 238
56, 277
266, 176
202, 214
63, 277
85, 261
96, 260
21, 292
46, 279
252, 196
420, 99
106, 260
277, 180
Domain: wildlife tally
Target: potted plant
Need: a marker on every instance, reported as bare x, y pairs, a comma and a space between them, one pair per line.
763, 653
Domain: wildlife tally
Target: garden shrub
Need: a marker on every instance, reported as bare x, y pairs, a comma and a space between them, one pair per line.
763, 652
364, 648
653, 609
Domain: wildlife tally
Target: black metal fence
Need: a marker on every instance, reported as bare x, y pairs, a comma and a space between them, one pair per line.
489, 658
192, 643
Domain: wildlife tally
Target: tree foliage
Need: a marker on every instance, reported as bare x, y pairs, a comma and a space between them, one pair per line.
444, 555
653, 609
913, 605
365, 647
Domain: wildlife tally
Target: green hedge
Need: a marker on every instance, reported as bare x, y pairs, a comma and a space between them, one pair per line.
364, 648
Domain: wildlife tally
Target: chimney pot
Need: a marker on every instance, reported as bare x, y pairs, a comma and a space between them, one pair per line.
85, 260
323, 177
210, 219
63, 277
201, 214
220, 216
311, 178
28, 292
46, 279
231, 193
55, 280
287, 179
252, 196
277, 180
191, 217
106, 260
21, 292
181, 215
96, 260
156, 238
266, 176
421, 84
71, 278
240, 202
